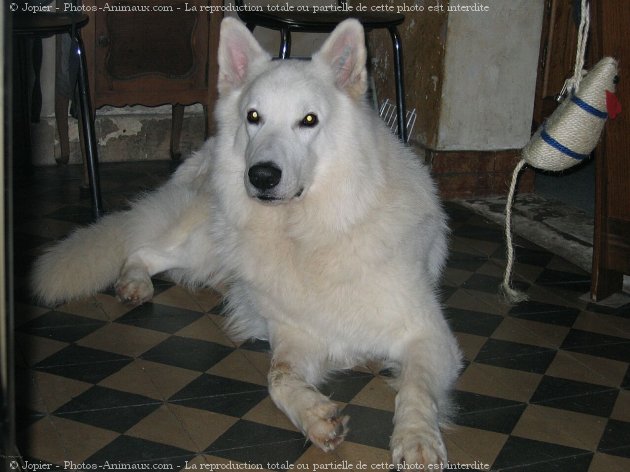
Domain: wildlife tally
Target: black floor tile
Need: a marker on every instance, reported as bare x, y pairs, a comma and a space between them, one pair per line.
464, 261
130, 451
61, 326
220, 395
575, 396
616, 439
516, 356
472, 322
167, 319
344, 386
526, 255
445, 292
108, 408
490, 233
487, 413
490, 284
369, 426
255, 443
595, 344
580, 283
187, 353
529, 455
545, 313
83, 363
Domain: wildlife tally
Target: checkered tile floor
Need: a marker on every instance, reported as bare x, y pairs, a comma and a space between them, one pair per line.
545, 386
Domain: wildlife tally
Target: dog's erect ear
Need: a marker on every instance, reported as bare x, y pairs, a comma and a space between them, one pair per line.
344, 51
238, 50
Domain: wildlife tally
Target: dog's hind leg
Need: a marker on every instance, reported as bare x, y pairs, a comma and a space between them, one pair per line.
428, 369
297, 366
175, 248
134, 285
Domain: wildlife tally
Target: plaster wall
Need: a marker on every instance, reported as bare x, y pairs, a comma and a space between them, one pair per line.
490, 69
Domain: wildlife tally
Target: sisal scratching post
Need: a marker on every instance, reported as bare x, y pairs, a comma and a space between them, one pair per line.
568, 136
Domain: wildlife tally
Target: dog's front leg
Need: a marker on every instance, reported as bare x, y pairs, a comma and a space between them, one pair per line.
298, 365
428, 368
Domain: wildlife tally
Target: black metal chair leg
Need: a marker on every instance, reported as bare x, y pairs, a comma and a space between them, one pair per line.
400, 87
88, 131
285, 43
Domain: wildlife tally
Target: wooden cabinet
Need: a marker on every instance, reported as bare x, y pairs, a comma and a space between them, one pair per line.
155, 57
611, 245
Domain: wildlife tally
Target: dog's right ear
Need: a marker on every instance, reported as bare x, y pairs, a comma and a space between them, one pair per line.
238, 51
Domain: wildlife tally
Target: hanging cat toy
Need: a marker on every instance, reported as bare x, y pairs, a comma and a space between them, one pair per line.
569, 135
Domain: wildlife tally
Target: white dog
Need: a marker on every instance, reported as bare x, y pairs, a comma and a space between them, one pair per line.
326, 230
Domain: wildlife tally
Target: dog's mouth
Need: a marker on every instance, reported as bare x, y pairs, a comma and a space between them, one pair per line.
270, 199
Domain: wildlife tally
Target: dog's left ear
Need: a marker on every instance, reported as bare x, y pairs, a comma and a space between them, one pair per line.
238, 51
344, 51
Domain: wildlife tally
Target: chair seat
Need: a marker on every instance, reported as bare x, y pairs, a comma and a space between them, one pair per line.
47, 24
320, 21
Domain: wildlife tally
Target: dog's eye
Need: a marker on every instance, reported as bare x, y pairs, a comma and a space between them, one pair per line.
253, 117
309, 120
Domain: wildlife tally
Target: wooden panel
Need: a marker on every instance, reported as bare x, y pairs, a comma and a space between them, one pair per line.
611, 251
147, 43
557, 56
152, 58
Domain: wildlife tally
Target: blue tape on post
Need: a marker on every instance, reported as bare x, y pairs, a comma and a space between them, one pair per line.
563, 149
588, 108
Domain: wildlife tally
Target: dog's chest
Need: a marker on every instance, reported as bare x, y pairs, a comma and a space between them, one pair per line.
273, 261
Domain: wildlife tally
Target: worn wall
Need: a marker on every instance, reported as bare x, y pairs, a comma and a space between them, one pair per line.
470, 75
490, 73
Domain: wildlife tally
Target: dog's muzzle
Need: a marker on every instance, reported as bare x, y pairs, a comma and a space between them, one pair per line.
264, 184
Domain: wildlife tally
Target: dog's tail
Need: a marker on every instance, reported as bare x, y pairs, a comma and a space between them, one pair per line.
88, 260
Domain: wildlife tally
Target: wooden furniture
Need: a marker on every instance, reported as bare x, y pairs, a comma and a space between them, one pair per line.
154, 58
611, 245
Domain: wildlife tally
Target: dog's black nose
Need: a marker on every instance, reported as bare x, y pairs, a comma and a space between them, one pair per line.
265, 175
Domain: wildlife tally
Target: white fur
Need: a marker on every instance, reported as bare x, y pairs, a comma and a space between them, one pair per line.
336, 264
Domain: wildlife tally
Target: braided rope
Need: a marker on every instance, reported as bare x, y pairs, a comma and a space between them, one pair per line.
510, 294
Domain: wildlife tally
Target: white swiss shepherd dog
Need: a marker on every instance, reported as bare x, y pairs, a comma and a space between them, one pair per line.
324, 228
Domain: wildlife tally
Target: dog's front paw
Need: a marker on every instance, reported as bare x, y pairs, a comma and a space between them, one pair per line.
416, 449
324, 427
134, 291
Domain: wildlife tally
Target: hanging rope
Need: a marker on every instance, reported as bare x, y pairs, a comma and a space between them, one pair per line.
510, 294
571, 84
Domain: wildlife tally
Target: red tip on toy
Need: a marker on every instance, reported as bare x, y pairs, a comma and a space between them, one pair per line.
613, 106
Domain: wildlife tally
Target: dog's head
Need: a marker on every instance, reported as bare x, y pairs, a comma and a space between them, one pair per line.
285, 108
